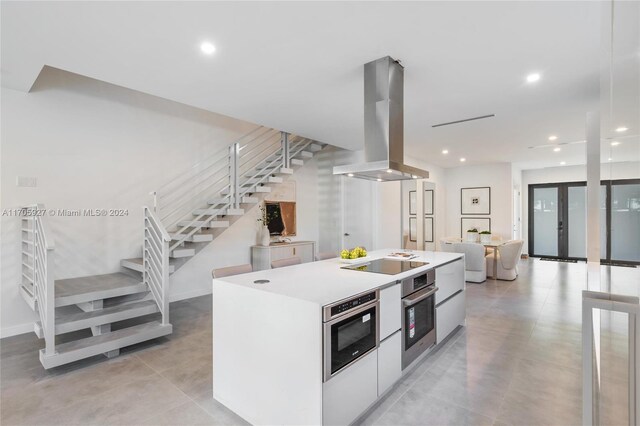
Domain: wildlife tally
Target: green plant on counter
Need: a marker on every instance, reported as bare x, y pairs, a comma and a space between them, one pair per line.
473, 230
485, 233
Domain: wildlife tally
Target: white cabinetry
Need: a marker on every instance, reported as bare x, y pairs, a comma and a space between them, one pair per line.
449, 315
390, 310
389, 362
449, 280
349, 393
262, 256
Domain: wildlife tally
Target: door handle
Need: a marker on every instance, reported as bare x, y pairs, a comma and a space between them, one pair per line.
346, 234
417, 297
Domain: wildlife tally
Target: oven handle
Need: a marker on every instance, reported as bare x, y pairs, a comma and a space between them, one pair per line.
418, 296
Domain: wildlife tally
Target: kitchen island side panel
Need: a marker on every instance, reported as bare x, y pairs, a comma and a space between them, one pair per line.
267, 356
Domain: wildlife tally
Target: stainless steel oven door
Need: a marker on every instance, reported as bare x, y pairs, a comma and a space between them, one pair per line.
418, 324
350, 337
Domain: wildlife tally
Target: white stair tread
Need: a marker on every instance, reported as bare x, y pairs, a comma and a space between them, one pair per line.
304, 154
216, 201
81, 320
297, 162
204, 224
225, 212
84, 289
136, 264
270, 179
182, 252
250, 200
195, 238
95, 345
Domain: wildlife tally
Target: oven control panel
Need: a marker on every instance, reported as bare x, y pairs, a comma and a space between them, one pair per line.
353, 303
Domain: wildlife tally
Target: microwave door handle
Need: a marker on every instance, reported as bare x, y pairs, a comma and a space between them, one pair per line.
412, 300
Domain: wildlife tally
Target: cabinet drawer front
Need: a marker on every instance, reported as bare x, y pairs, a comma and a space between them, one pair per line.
449, 279
390, 311
449, 315
304, 252
389, 362
284, 252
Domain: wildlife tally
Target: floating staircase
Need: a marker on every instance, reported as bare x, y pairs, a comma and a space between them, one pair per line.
197, 206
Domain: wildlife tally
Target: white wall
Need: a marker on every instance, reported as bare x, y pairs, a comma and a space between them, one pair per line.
95, 145
622, 170
498, 177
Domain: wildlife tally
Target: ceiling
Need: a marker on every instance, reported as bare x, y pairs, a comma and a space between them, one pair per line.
297, 66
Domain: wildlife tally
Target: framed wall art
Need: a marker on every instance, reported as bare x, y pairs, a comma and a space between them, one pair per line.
428, 201
428, 229
413, 203
413, 229
480, 223
475, 201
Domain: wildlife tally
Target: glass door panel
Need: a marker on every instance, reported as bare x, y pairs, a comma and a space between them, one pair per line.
545, 221
625, 222
577, 221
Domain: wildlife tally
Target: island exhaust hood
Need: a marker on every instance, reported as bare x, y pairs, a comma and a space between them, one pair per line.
383, 126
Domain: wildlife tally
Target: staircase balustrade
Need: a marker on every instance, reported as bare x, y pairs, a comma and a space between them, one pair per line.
155, 255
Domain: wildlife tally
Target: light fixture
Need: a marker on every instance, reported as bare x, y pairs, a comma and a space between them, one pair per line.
389, 171
562, 163
379, 180
207, 48
532, 78
350, 174
445, 151
414, 176
609, 159
462, 160
621, 129
557, 149
553, 137
615, 143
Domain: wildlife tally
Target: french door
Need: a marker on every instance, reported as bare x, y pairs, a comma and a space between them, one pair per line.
558, 221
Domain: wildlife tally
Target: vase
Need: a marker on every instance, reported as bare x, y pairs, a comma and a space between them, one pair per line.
265, 237
485, 238
472, 237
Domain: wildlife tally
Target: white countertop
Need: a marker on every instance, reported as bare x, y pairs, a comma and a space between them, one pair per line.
324, 282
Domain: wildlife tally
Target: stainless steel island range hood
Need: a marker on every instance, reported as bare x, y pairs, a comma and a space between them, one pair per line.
383, 126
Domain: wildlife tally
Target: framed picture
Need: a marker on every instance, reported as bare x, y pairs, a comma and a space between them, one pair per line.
413, 206
428, 201
480, 223
475, 201
413, 228
428, 229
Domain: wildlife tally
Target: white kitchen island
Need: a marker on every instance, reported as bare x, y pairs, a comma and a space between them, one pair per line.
268, 338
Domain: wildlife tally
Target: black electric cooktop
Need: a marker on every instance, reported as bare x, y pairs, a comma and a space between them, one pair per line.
386, 266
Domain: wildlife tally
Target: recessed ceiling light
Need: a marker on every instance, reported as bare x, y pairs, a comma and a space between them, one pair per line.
462, 160
350, 174
389, 171
609, 159
207, 48
414, 176
553, 137
532, 78
621, 129
379, 180
562, 163
615, 143
445, 151
557, 149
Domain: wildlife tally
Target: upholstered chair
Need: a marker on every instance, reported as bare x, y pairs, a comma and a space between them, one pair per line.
295, 260
231, 270
475, 266
507, 260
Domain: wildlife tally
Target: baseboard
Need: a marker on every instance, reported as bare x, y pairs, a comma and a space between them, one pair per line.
16, 330
190, 294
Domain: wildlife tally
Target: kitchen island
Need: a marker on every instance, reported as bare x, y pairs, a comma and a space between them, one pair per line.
270, 339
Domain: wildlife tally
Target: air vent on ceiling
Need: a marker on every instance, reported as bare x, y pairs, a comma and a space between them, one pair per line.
464, 121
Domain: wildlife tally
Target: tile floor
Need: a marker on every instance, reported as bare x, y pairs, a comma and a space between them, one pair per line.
516, 362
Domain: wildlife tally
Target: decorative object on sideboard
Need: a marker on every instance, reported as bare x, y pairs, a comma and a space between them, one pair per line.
479, 223
266, 216
485, 237
475, 201
472, 235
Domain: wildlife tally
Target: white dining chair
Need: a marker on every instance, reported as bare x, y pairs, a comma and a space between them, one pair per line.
507, 264
231, 270
289, 261
475, 266
446, 244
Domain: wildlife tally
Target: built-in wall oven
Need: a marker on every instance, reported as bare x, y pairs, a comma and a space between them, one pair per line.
351, 330
418, 315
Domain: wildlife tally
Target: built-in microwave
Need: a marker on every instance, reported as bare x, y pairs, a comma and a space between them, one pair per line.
418, 315
351, 330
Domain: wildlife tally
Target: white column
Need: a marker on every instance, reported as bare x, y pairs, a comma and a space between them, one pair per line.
593, 187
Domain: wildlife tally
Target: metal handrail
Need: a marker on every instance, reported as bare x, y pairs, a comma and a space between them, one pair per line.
42, 277
155, 260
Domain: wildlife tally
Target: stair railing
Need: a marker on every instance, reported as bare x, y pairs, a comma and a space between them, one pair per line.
39, 269
155, 261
